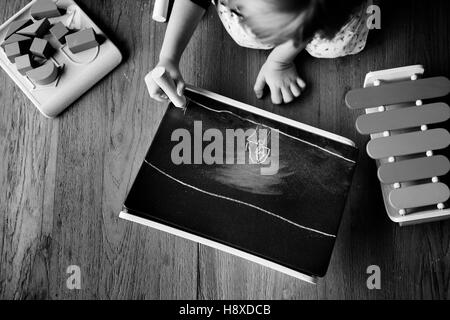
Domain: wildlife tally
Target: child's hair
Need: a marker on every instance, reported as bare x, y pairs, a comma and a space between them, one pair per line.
277, 21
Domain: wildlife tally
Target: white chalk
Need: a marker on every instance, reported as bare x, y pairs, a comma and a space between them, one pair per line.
160, 10
162, 79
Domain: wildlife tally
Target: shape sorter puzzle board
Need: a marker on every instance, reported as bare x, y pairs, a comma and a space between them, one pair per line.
79, 67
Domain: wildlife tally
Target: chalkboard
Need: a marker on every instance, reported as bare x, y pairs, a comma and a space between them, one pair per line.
289, 217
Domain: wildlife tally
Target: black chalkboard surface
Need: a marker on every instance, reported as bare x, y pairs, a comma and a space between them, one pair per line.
286, 217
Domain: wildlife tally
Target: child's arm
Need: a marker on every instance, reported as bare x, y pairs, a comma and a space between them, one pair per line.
280, 74
184, 19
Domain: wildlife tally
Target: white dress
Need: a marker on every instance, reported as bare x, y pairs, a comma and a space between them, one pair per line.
351, 38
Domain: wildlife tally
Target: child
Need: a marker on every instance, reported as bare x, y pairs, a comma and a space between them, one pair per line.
325, 28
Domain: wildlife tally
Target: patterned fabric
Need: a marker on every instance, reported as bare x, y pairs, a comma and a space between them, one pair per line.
240, 33
351, 39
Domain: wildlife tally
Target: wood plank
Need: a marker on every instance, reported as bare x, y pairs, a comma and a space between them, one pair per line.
415, 169
131, 121
419, 196
408, 143
28, 153
396, 93
403, 118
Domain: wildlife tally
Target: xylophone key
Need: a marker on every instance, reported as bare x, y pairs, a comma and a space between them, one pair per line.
396, 93
415, 169
419, 196
408, 143
403, 118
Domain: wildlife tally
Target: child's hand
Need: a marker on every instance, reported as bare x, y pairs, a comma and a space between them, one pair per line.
282, 79
174, 71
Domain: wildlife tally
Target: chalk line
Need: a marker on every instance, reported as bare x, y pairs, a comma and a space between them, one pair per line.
239, 202
279, 131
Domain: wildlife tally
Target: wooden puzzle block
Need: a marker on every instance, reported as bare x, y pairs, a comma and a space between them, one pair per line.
396, 93
38, 29
41, 48
44, 9
82, 40
403, 118
13, 50
408, 144
419, 196
24, 64
22, 40
16, 26
413, 170
59, 31
45, 74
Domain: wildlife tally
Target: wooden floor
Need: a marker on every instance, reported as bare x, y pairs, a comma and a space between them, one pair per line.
63, 181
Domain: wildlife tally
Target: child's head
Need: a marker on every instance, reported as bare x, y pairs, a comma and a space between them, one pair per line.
277, 21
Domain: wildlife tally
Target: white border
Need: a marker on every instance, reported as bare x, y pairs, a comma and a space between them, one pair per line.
217, 245
270, 115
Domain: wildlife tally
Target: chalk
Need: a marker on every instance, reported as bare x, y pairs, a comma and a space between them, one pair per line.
13, 50
45, 74
162, 79
44, 9
59, 31
160, 10
22, 40
82, 40
37, 29
41, 48
24, 64
16, 26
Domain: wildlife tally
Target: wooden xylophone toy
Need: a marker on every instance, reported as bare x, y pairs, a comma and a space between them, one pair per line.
403, 113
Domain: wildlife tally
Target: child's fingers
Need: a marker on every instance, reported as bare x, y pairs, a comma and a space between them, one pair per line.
181, 85
259, 85
276, 96
295, 89
301, 83
287, 95
160, 97
156, 93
